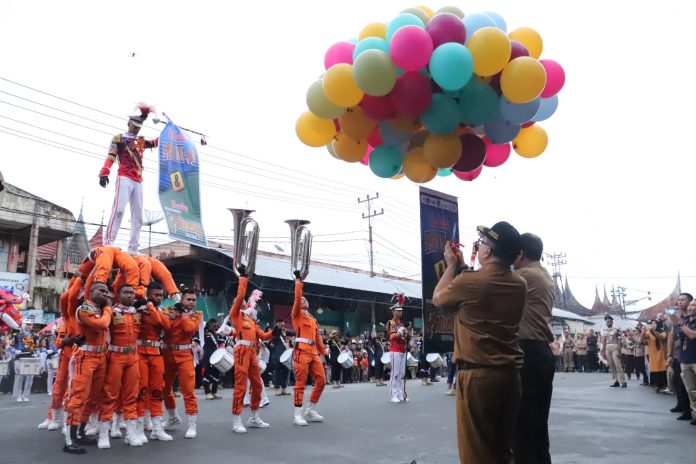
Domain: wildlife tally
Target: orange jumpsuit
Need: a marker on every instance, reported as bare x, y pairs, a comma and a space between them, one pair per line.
89, 362
151, 362
162, 274
144, 276
246, 363
305, 356
178, 360
108, 257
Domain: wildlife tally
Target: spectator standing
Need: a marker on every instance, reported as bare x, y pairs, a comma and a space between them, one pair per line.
687, 356
674, 347
557, 350
581, 350
655, 340
592, 351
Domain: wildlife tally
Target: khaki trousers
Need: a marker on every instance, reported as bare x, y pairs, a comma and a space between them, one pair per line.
688, 375
487, 404
614, 359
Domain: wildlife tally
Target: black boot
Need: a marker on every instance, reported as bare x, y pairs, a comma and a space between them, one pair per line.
73, 447
83, 439
615, 384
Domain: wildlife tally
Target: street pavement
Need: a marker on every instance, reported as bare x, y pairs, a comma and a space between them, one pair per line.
589, 423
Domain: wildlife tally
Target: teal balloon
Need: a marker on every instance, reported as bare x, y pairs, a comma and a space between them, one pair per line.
546, 109
476, 21
374, 73
442, 117
478, 104
370, 43
444, 172
404, 19
451, 66
499, 21
518, 113
385, 161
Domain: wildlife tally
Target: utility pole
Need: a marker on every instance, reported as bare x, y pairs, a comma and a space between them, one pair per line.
370, 216
620, 295
556, 260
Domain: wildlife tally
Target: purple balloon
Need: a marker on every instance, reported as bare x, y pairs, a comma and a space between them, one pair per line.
517, 49
412, 94
446, 27
473, 153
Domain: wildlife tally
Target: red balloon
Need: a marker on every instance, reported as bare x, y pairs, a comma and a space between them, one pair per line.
378, 108
495, 83
468, 176
411, 94
527, 124
446, 27
496, 154
473, 153
517, 49
375, 139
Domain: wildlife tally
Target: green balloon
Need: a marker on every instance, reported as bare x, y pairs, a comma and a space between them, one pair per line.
422, 15
451, 9
479, 104
374, 73
320, 105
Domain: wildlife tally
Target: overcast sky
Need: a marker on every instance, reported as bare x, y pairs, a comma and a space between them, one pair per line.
611, 191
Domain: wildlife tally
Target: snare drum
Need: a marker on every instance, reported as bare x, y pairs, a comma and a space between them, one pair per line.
345, 360
262, 365
222, 360
286, 358
435, 360
28, 366
411, 361
53, 362
386, 360
4, 368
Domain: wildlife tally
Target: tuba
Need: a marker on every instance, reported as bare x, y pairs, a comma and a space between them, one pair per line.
301, 244
246, 242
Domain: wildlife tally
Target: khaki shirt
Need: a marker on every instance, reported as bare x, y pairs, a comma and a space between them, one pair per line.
639, 345
536, 317
581, 346
488, 305
611, 336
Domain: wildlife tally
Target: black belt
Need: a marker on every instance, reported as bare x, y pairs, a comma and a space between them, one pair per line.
466, 366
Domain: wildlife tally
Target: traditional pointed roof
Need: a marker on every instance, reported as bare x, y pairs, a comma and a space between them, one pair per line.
572, 304
599, 306
97, 239
78, 246
606, 298
670, 301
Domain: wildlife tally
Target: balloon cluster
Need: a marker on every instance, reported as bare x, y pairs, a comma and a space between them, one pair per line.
433, 93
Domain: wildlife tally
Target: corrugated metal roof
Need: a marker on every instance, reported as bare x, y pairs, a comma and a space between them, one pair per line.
563, 314
279, 268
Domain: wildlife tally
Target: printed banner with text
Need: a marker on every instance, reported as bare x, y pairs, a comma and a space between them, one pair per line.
439, 217
179, 189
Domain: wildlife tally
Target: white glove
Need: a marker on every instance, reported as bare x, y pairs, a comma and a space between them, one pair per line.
176, 297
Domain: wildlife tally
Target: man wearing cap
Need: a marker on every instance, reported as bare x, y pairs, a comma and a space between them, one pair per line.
488, 305
396, 331
611, 351
128, 148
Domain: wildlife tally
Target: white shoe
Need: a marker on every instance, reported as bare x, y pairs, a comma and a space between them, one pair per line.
25, 399
140, 430
450, 392
115, 430
57, 420
103, 441
53, 425
255, 421
395, 400
264, 402
209, 396
148, 420
158, 432
132, 437
298, 420
217, 396
191, 431
173, 419
237, 426
20, 399
311, 414
44, 425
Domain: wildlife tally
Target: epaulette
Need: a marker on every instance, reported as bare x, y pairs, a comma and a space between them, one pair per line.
117, 138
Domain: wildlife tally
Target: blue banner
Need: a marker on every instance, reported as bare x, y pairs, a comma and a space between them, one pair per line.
179, 189
439, 221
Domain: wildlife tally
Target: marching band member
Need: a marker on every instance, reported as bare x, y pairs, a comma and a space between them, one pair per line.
94, 317
178, 361
122, 372
305, 358
246, 361
24, 344
396, 332
151, 363
334, 352
128, 148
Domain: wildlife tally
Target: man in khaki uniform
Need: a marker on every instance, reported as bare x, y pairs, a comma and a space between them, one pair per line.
639, 354
568, 348
611, 350
488, 304
581, 351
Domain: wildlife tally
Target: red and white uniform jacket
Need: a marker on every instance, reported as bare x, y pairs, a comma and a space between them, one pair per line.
128, 149
397, 343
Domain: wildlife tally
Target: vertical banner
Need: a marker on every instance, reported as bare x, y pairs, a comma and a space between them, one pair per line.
179, 189
439, 220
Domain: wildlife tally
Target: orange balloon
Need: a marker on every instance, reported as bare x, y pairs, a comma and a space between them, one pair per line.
348, 149
355, 124
442, 151
399, 175
530, 39
416, 168
405, 124
531, 141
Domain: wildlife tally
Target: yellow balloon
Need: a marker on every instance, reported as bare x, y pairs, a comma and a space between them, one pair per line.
339, 86
531, 141
373, 30
427, 10
490, 48
416, 168
355, 124
442, 151
314, 131
348, 149
523, 79
530, 39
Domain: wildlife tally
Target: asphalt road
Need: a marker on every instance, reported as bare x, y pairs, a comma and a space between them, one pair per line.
589, 423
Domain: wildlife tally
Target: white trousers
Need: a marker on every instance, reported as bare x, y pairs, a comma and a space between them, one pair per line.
49, 381
22, 385
398, 372
127, 191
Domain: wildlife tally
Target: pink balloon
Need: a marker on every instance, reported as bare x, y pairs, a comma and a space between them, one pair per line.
410, 48
446, 27
340, 52
468, 176
555, 78
517, 49
378, 108
412, 93
496, 154
366, 159
375, 139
